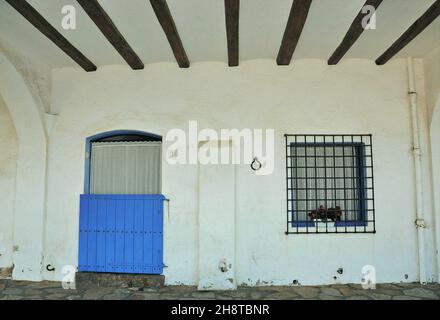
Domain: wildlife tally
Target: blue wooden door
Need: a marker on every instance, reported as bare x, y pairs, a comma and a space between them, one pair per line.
121, 233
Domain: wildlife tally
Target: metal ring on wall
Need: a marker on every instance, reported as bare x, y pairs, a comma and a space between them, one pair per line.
256, 165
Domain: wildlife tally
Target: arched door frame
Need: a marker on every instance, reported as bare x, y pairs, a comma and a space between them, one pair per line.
120, 233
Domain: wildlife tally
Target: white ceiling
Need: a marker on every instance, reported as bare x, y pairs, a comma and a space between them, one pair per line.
201, 25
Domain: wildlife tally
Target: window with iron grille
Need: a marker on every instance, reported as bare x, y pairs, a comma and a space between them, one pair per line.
330, 185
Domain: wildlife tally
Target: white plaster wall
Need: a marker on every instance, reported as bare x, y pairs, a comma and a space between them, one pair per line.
307, 97
30, 189
216, 222
431, 65
8, 170
34, 73
430, 245
435, 149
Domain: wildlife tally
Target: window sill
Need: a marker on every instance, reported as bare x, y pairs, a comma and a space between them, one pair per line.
329, 225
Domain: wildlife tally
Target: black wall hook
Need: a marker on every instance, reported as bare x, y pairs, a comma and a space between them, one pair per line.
50, 268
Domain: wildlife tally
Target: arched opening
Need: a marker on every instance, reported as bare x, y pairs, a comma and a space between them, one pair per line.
123, 162
30, 180
121, 210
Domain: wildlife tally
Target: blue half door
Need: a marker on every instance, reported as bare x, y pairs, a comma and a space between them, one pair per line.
121, 233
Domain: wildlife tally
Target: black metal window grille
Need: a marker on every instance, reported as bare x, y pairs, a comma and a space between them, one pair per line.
329, 180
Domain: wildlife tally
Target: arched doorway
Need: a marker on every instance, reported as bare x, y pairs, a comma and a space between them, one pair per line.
121, 210
30, 187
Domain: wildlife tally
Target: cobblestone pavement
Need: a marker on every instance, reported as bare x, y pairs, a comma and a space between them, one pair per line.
19, 290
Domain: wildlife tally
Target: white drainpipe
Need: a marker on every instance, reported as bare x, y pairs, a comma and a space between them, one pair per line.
419, 222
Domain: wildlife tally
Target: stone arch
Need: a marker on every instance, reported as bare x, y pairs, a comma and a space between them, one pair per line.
29, 206
8, 163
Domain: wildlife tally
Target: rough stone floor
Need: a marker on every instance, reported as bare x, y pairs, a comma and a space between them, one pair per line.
14, 290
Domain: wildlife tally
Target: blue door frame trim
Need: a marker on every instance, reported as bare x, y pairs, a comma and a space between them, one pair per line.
361, 171
107, 134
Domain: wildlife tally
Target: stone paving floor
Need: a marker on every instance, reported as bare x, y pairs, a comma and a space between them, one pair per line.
19, 290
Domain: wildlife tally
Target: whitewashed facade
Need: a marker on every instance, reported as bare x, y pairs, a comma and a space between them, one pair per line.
42, 158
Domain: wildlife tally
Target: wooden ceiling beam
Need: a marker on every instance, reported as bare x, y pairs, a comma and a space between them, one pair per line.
111, 32
232, 13
165, 19
353, 33
295, 24
413, 31
39, 22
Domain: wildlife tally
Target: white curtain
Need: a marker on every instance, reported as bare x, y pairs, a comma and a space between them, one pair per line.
325, 180
126, 167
